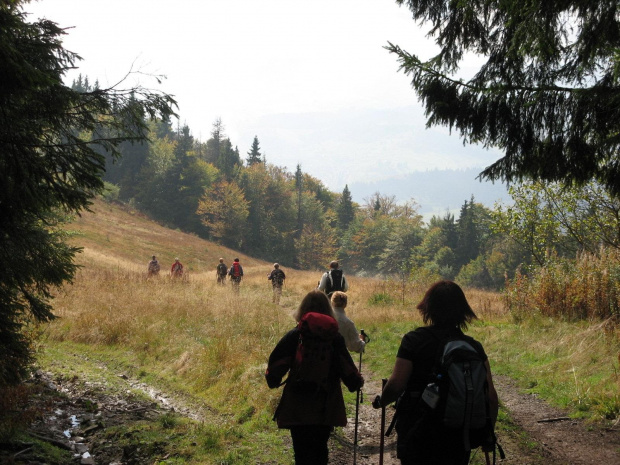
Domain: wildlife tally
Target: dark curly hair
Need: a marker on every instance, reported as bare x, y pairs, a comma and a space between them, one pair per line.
444, 304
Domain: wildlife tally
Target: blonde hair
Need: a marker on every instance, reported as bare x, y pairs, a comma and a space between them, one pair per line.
315, 301
339, 299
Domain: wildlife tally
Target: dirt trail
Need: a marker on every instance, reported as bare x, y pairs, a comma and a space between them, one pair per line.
368, 434
559, 441
556, 442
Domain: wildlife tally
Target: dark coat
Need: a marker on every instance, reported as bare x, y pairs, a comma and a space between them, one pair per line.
299, 406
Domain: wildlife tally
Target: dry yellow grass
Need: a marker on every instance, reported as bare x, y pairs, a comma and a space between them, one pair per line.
206, 335
214, 343
127, 236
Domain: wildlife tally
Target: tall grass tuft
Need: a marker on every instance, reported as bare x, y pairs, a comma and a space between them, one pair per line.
587, 288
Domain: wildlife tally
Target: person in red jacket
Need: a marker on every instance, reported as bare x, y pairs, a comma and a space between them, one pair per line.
176, 271
312, 403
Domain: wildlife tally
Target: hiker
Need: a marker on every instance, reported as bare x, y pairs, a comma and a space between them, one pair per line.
312, 403
446, 312
220, 272
153, 267
277, 278
236, 274
176, 271
333, 280
354, 340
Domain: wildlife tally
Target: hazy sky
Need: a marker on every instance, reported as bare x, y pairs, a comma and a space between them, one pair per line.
310, 78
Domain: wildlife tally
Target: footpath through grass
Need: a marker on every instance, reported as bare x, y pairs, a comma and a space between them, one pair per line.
209, 346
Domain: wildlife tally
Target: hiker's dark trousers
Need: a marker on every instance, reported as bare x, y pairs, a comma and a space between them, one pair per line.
428, 454
310, 444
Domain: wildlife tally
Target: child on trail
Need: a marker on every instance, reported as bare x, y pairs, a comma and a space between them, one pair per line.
354, 340
220, 272
277, 278
446, 313
312, 403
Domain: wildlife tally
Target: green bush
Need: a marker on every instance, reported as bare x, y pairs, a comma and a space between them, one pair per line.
381, 298
110, 192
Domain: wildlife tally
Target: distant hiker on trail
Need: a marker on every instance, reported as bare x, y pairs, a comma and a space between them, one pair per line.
312, 403
434, 424
277, 278
220, 272
236, 274
354, 340
176, 271
153, 267
333, 280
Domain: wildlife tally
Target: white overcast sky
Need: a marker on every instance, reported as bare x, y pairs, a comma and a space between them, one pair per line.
310, 78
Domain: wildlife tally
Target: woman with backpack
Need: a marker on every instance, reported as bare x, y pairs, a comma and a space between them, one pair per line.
316, 359
420, 381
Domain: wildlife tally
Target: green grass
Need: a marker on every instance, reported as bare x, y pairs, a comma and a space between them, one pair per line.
240, 435
47, 453
571, 365
582, 383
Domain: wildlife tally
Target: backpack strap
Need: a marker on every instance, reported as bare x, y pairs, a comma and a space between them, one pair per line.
469, 404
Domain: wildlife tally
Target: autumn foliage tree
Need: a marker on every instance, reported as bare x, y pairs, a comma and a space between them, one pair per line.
224, 212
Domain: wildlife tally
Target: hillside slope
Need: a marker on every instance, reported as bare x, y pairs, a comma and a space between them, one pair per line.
117, 235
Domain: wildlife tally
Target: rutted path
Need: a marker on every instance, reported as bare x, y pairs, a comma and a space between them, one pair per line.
368, 434
560, 441
553, 440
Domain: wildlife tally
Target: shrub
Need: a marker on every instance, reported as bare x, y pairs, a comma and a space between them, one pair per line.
110, 192
587, 287
381, 298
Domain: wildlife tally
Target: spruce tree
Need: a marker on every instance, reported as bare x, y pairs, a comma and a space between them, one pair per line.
48, 168
548, 94
254, 155
468, 239
346, 210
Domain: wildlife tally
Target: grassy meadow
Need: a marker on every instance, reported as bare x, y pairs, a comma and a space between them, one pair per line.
207, 345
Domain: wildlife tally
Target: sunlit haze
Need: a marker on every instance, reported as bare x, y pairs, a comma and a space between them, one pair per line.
311, 79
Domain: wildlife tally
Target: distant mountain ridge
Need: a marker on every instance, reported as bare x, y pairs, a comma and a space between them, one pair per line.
436, 191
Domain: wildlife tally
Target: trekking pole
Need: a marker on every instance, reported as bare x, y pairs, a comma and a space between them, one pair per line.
486, 456
358, 400
366, 340
357, 413
382, 439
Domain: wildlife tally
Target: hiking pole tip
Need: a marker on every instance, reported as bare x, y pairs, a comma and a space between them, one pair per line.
382, 439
